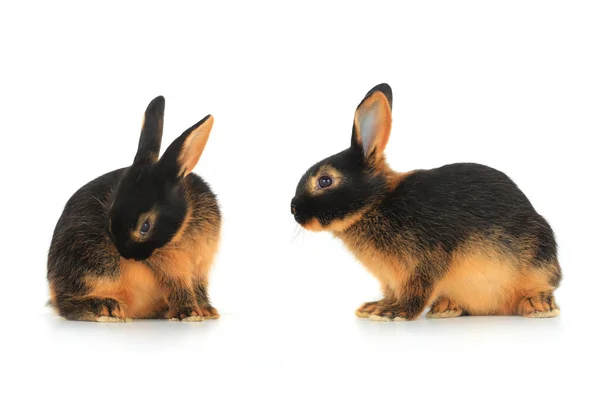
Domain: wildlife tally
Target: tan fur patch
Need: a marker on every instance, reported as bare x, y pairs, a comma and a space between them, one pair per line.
340, 225
337, 226
150, 216
392, 271
377, 103
392, 177
480, 282
485, 281
136, 289
194, 146
312, 185
204, 238
52, 294
313, 225
143, 121
204, 260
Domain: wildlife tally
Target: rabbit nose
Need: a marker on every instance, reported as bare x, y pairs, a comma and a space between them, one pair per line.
294, 205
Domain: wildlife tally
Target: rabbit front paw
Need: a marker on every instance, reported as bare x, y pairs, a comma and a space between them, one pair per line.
445, 308
185, 313
388, 311
368, 308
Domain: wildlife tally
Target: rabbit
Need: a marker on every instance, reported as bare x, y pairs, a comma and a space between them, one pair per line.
462, 238
139, 242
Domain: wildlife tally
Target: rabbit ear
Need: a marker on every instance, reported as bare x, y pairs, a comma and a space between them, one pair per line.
152, 129
373, 123
183, 154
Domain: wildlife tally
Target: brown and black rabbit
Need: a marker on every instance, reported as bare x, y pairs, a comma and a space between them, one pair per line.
462, 238
139, 242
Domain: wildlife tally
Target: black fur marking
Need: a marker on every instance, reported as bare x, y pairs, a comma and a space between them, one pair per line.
383, 88
357, 190
418, 291
81, 245
141, 190
151, 136
555, 278
202, 296
443, 207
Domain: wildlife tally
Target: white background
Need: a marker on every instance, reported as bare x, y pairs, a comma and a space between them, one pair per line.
512, 84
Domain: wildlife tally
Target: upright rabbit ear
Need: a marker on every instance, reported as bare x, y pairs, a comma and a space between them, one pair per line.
152, 129
373, 123
183, 154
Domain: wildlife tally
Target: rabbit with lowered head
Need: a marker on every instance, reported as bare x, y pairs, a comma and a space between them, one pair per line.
139, 242
462, 238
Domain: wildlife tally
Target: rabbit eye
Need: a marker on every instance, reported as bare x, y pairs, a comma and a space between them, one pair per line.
145, 228
324, 181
